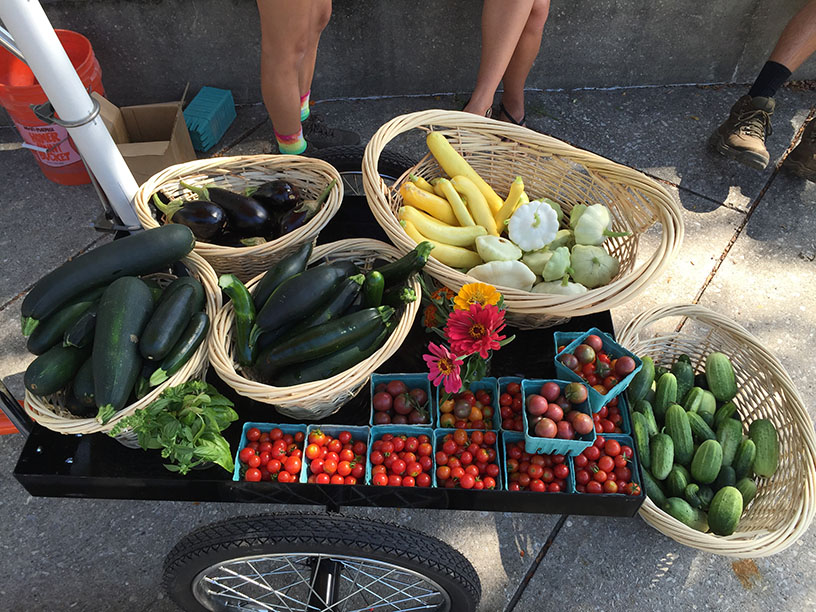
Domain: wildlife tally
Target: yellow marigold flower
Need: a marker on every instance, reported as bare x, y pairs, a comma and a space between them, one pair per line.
476, 293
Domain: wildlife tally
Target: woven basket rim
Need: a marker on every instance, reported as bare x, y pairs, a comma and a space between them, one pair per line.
223, 166
41, 411
747, 544
620, 290
293, 396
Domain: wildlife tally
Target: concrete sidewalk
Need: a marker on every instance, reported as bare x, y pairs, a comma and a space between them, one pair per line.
749, 252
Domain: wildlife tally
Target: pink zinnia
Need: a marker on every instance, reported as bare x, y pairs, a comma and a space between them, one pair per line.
444, 367
475, 330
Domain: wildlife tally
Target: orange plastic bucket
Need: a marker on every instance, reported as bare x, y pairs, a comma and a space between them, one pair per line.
55, 151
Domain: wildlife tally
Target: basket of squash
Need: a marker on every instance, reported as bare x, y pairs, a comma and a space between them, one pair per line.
247, 212
556, 229
726, 444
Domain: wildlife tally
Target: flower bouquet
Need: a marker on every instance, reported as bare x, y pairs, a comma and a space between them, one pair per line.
470, 322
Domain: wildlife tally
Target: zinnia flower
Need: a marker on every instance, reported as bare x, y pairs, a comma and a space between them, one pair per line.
429, 318
475, 330
443, 368
442, 293
476, 293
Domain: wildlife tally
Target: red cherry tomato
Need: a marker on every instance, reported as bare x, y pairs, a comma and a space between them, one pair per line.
253, 475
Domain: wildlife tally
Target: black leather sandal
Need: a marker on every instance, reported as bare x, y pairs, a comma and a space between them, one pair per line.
507, 117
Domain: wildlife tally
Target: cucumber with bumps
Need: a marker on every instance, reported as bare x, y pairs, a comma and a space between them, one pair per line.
665, 395
729, 435
766, 439
722, 381
677, 426
707, 462
642, 380
725, 511
661, 455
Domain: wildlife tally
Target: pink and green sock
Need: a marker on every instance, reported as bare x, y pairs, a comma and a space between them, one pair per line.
304, 106
291, 144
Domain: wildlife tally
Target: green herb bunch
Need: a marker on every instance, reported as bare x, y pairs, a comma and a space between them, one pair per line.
185, 422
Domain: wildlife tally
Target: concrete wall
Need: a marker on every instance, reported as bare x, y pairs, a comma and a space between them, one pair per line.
149, 49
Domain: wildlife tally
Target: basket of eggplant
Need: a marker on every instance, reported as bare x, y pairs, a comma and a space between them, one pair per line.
246, 212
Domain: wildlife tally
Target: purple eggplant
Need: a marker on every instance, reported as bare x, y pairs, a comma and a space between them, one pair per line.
245, 216
205, 219
278, 197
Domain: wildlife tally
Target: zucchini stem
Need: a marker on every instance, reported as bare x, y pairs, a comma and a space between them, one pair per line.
29, 324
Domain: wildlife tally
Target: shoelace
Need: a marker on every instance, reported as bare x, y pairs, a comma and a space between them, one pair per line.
755, 122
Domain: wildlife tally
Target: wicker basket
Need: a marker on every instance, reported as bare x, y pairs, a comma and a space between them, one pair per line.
51, 413
499, 152
309, 176
784, 505
318, 399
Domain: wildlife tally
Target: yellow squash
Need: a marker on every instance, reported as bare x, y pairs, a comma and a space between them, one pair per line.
437, 231
437, 207
453, 256
510, 204
421, 182
458, 206
476, 203
454, 164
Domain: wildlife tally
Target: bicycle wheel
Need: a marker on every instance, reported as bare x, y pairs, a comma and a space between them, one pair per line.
311, 563
349, 161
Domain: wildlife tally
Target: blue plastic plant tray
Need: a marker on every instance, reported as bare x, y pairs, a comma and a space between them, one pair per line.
208, 116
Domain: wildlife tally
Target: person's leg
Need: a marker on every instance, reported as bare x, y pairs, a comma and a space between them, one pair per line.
798, 40
503, 22
284, 38
321, 11
520, 64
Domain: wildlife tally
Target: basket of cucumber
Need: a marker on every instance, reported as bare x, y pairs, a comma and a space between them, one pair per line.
316, 333
500, 177
726, 444
247, 211
89, 372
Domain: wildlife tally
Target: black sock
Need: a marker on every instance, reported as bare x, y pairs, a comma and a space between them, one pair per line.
772, 76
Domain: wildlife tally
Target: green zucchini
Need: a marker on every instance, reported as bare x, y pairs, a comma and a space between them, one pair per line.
299, 296
402, 269
168, 322
373, 288
81, 333
720, 375
287, 267
244, 315
399, 295
743, 462
640, 436
83, 386
53, 328
193, 335
729, 435
764, 435
124, 310
725, 511
661, 452
334, 364
641, 381
322, 340
707, 462
677, 426
54, 369
77, 408
180, 283
142, 386
336, 307
140, 253
684, 373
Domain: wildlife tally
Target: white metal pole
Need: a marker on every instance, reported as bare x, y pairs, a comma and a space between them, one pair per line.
35, 37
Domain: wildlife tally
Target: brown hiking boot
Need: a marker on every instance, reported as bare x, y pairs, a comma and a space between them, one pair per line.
742, 135
802, 160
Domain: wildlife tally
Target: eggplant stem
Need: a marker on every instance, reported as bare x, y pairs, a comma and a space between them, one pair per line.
201, 192
169, 209
312, 206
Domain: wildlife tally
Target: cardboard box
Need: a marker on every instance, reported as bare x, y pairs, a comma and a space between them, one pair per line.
150, 137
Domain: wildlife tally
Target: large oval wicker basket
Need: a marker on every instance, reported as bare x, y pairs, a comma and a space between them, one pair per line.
318, 399
310, 177
784, 505
499, 152
50, 411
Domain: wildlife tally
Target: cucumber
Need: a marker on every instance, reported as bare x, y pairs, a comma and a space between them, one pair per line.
640, 436
660, 371
726, 478
402, 269
684, 373
642, 380
322, 340
645, 408
707, 462
729, 435
168, 322
722, 381
665, 395
677, 426
299, 296
54, 369
193, 335
743, 462
661, 454
282, 270
654, 489
698, 496
53, 328
748, 489
706, 494
700, 381
140, 253
725, 511
83, 386
124, 310
693, 399
681, 510
700, 431
81, 333
766, 439
677, 480
243, 310
707, 407
331, 365
724, 412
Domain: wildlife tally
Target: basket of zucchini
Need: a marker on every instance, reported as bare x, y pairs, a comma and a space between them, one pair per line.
246, 212
306, 339
727, 447
116, 326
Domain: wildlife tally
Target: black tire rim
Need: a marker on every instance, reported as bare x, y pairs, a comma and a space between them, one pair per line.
312, 582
